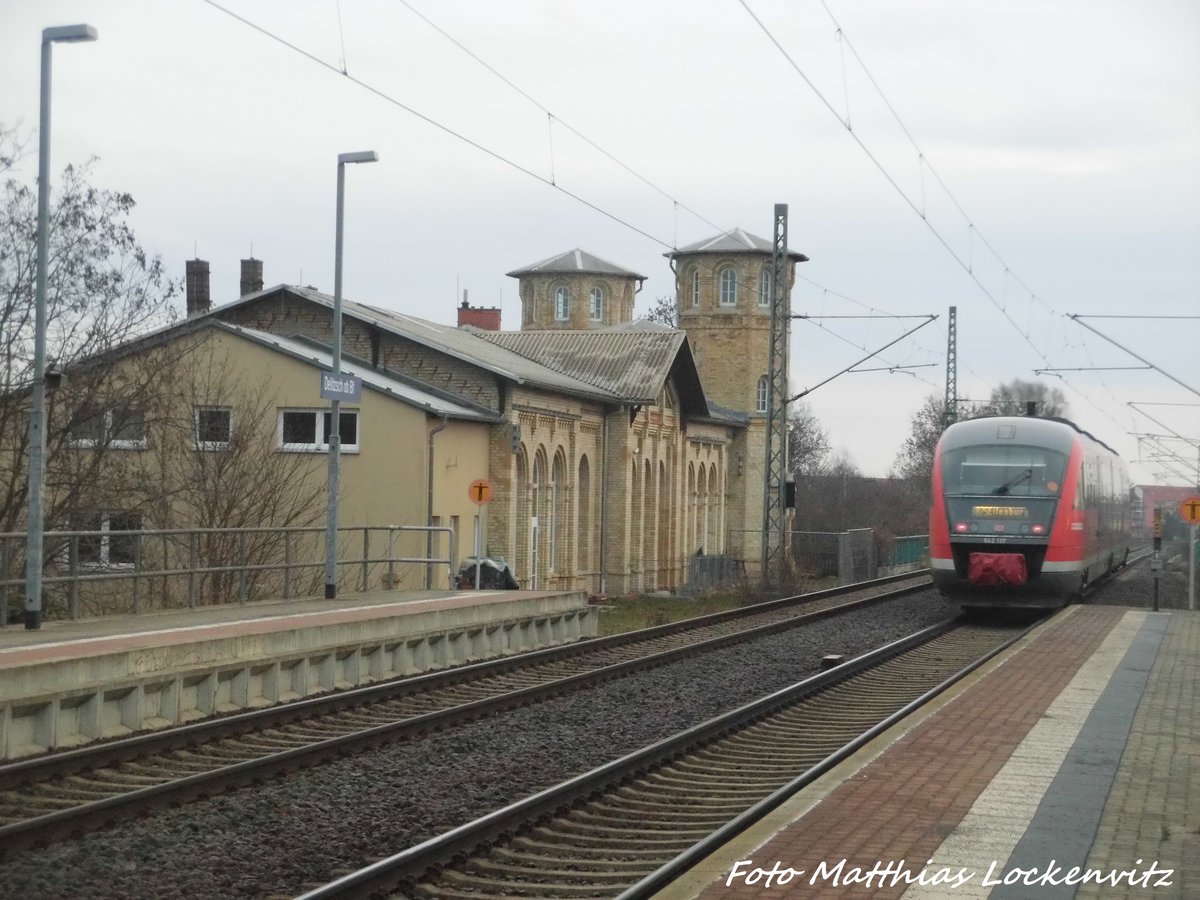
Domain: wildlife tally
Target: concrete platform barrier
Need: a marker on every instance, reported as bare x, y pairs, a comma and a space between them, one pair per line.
62, 694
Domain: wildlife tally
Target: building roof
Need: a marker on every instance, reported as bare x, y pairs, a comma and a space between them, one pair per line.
393, 384
736, 240
631, 362
459, 343
384, 381
575, 262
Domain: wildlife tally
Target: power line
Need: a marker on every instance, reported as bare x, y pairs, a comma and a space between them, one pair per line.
583, 137
436, 124
924, 163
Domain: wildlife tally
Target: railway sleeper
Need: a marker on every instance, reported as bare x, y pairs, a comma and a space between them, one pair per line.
601, 812
738, 773
604, 862
521, 871
430, 891
625, 842
582, 826
718, 780
559, 889
653, 802
572, 850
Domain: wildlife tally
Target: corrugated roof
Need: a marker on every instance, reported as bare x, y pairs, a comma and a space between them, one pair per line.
460, 343
400, 388
577, 262
736, 240
633, 364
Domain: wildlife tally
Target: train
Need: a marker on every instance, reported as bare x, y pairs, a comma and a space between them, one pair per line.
1026, 511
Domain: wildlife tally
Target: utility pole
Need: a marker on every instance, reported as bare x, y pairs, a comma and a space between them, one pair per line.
950, 410
775, 473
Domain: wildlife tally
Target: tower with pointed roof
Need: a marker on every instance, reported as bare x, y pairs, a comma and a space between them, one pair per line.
723, 294
575, 291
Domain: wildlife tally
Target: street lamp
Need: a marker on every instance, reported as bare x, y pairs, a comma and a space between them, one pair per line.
37, 411
335, 431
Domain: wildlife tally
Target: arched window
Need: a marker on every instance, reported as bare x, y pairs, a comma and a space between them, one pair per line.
596, 309
760, 403
695, 285
764, 287
560, 303
584, 519
728, 287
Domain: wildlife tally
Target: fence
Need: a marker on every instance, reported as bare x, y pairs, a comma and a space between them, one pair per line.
108, 571
905, 553
857, 555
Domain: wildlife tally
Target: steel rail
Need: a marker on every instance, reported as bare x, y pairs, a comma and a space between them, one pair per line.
405, 869
77, 819
59, 763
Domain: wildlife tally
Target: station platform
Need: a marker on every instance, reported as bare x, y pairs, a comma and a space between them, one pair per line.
71, 682
1078, 749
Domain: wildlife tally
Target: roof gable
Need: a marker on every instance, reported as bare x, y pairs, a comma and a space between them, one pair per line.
460, 343
632, 363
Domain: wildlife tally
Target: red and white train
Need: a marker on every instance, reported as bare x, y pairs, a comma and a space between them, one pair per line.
1026, 511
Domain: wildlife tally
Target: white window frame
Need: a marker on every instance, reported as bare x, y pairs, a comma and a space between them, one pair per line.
104, 560
762, 396
107, 438
729, 286
562, 304
211, 445
764, 287
322, 440
695, 286
596, 306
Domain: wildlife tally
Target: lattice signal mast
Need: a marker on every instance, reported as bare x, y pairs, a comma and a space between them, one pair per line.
775, 474
950, 410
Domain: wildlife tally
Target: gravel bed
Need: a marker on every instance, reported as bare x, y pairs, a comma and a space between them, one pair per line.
1135, 585
286, 836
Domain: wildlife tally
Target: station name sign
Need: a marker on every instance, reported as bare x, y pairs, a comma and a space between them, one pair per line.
340, 386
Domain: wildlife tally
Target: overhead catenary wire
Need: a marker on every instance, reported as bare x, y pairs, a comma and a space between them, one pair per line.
583, 137
383, 95
919, 209
551, 118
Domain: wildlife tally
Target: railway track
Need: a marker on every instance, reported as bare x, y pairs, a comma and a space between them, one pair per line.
629, 827
65, 794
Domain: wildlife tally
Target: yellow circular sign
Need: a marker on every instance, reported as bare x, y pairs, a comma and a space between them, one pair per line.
1189, 509
480, 491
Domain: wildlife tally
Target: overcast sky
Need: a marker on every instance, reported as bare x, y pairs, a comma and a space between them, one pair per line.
1067, 133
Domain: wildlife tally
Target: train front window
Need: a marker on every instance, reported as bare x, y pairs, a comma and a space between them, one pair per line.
1003, 470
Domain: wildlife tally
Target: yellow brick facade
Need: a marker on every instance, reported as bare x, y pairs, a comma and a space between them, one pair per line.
539, 308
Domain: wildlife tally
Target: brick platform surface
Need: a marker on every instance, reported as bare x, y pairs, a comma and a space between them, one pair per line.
1005, 773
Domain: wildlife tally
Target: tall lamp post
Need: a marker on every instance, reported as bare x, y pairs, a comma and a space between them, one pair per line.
335, 431
37, 412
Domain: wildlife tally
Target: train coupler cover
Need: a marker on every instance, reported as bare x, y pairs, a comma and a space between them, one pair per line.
997, 569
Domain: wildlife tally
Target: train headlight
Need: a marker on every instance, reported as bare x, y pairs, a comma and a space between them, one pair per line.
960, 527
1039, 529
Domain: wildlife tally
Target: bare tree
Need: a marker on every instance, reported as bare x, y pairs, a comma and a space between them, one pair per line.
102, 291
808, 442
664, 311
219, 467
1011, 399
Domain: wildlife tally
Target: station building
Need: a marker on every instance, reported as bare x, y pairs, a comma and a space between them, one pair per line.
617, 448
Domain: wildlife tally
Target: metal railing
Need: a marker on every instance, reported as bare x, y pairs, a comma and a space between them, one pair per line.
111, 571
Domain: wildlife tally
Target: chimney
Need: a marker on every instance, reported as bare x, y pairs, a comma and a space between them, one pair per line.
252, 279
486, 319
196, 279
